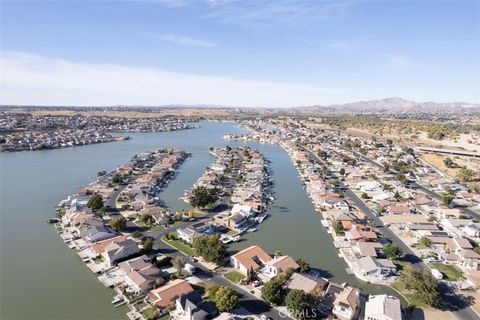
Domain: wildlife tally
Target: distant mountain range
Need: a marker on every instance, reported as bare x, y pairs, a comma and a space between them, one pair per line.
393, 105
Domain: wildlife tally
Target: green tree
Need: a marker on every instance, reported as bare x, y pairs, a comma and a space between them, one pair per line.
392, 251
298, 302
304, 266
95, 202
476, 249
272, 292
210, 248
322, 154
425, 242
136, 234
466, 175
342, 171
179, 263
424, 286
338, 227
147, 245
448, 162
119, 223
226, 299
447, 199
147, 219
201, 197
117, 179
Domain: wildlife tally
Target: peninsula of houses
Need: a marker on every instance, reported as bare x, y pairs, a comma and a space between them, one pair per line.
21, 131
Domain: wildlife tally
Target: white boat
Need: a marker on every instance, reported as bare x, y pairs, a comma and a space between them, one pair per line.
252, 230
118, 300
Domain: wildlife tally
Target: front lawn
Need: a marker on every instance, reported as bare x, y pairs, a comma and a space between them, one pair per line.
400, 264
411, 298
234, 276
179, 245
450, 272
151, 314
155, 228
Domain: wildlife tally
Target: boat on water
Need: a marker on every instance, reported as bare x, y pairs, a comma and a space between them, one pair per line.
53, 220
252, 230
118, 300
260, 219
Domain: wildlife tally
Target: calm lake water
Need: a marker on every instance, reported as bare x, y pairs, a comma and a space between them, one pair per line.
42, 279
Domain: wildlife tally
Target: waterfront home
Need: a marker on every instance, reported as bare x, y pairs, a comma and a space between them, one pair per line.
332, 202
342, 300
374, 267
164, 295
307, 283
383, 307
140, 274
94, 230
339, 215
100, 246
119, 250
367, 249
252, 258
245, 210
236, 221
192, 307
277, 265
188, 234
360, 235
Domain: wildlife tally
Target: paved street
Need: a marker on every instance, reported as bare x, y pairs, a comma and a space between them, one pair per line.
409, 255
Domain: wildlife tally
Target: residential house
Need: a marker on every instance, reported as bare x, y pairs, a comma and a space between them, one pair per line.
373, 267
399, 209
309, 284
192, 307
346, 304
342, 300
252, 258
360, 235
332, 202
277, 265
140, 274
117, 251
383, 307
164, 295
236, 221
188, 234
367, 249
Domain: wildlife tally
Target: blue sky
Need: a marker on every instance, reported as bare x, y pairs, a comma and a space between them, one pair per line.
238, 53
